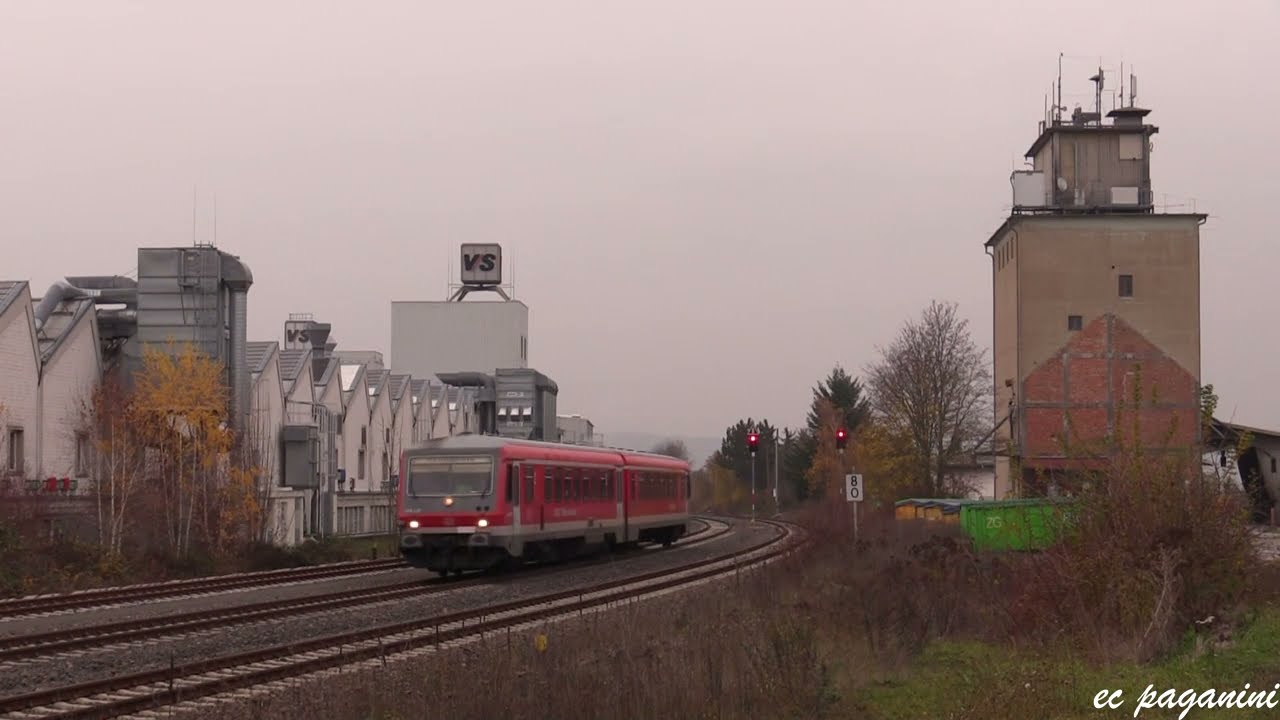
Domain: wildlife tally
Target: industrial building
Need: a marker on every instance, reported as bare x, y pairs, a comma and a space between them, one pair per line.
1096, 301
576, 429
327, 425
455, 335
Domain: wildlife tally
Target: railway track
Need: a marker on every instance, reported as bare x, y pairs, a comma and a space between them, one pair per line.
106, 597
23, 647
191, 682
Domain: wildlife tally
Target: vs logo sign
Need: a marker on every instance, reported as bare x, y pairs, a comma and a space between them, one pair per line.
301, 336
484, 262
481, 264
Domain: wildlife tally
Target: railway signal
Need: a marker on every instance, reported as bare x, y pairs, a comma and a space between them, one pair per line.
753, 443
841, 438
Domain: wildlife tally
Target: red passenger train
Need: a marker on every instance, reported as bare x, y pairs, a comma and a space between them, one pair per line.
474, 502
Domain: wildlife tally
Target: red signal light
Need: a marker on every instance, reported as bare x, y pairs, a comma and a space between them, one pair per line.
753, 441
841, 438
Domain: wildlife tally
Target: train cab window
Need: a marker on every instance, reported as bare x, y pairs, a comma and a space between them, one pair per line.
513, 485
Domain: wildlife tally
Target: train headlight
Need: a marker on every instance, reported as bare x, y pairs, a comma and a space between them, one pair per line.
448, 501
413, 524
483, 523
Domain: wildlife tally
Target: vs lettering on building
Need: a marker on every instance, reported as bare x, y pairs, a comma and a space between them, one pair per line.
297, 334
481, 264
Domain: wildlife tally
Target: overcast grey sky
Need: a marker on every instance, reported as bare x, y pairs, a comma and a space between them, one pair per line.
708, 203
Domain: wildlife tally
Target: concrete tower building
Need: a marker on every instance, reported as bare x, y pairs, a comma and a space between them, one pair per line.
1096, 298
429, 337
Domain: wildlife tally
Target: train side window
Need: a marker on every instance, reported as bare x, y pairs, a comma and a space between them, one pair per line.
559, 492
513, 483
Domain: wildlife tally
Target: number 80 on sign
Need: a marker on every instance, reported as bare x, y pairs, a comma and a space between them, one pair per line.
853, 488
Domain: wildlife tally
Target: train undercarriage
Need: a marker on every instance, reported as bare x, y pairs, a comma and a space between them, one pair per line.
445, 554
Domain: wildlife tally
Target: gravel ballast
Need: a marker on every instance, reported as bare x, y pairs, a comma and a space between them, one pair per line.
31, 675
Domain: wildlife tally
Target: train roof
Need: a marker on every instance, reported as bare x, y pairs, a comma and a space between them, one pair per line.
494, 443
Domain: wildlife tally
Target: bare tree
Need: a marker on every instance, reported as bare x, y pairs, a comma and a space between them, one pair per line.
673, 447
933, 386
118, 460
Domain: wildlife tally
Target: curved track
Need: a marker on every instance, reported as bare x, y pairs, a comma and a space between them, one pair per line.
189, 682
41, 645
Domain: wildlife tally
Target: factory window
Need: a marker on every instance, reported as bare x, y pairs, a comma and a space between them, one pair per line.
17, 460
1074, 322
360, 465
1126, 286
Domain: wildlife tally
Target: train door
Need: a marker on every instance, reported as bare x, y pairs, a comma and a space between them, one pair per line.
624, 503
541, 490
513, 496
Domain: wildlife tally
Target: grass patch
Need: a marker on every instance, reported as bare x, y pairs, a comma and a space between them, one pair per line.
962, 680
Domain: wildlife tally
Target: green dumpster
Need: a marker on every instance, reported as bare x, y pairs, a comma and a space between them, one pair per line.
1024, 524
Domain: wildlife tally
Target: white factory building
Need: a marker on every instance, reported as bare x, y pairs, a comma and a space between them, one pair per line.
457, 335
328, 423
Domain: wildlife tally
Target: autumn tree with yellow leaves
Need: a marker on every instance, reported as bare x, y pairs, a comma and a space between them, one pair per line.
204, 482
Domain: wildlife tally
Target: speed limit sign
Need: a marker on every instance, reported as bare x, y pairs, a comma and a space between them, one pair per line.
853, 490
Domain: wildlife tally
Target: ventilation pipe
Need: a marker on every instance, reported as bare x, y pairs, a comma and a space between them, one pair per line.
237, 278
486, 398
103, 290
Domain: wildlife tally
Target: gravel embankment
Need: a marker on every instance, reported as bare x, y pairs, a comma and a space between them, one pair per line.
37, 674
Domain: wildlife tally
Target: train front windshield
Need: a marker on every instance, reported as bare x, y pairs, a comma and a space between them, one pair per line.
450, 476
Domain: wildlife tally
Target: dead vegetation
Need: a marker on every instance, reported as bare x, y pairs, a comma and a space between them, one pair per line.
811, 635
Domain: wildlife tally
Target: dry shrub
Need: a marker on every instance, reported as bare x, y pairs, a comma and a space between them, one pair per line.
906, 583
1153, 546
792, 640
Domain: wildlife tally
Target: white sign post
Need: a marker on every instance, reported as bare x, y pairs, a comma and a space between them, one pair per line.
854, 492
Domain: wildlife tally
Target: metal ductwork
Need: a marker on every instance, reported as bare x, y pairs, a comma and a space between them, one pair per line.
237, 277
102, 289
486, 405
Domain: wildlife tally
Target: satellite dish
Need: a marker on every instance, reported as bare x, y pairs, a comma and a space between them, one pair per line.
1062, 183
